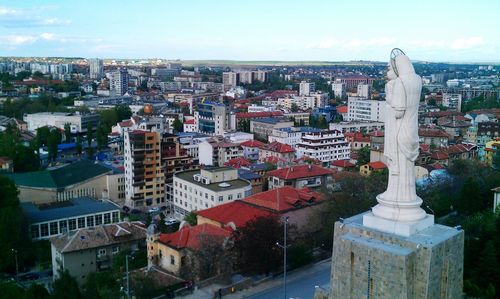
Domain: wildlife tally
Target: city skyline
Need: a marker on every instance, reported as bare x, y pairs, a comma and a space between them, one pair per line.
320, 31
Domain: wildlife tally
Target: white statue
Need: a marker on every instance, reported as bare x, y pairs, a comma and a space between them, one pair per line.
401, 147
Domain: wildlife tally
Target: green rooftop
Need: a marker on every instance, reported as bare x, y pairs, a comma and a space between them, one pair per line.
61, 177
235, 184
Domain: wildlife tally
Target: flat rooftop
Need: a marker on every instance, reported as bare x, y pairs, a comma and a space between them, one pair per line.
234, 184
66, 209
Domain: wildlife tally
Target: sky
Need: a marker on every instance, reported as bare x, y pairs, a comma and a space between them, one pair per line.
285, 30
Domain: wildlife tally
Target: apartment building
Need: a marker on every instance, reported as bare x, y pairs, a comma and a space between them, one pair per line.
78, 122
230, 80
207, 187
338, 89
305, 88
452, 101
290, 135
362, 109
118, 84
214, 118
264, 127
218, 150
96, 68
325, 146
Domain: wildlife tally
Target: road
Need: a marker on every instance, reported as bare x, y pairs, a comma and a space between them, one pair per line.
300, 285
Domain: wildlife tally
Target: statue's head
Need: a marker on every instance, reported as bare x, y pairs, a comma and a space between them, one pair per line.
403, 65
391, 75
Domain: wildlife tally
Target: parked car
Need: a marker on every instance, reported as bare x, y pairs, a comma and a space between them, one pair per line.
154, 210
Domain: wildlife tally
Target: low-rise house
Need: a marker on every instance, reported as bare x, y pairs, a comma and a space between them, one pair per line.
487, 131
433, 136
53, 219
299, 176
234, 214
277, 150
88, 250
490, 150
255, 179
171, 252
357, 140
368, 168
342, 165
251, 149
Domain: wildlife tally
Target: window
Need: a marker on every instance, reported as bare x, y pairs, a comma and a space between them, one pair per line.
44, 228
101, 252
116, 217
115, 249
239, 195
72, 224
35, 231
53, 228
63, 226
230, 197
81, 222
90, 221
98, 219
221, 198
107, 218
172, 260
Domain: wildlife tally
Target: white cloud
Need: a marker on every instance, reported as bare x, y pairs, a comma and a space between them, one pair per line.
466, 43
22, 18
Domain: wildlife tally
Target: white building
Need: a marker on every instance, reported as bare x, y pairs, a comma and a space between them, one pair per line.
364, 90
230, 79
214, 118
325, 146
452, 101
191, 142
305, 88
260, 76
257, 108
304, 102
291, 135
118, 85
96, 68
205, 188
78, 122
338, 89
246, 77
357, 126
217, 151
361, 109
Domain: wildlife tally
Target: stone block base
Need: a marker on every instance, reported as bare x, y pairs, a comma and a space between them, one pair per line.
404, 229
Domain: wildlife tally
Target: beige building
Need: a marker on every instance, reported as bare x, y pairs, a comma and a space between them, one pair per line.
264, 127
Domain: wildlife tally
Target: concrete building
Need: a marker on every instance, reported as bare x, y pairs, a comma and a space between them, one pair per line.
246, 77
82, 178
96, 70
276, 152
352, 82
304, 102
118, 84
230, 80
357, 126
214, 118
361, 109
251, 149
89, 250
306, 88
364, 90
217, 151
264, 127
78, 122
325, 146
290, 135
338, 89
144, 174
260, 75
207, 187
452, 101
191, 143
53, 219
299, 176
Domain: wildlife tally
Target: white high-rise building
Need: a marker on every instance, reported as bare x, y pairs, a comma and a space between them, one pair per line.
305, 88
362, 109
325, 146
453, 101
338, 89
96, 68
260, 76
246, 77
118, 84
364, 90
214, 119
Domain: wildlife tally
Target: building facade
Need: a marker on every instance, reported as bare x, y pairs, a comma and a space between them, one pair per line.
362, 109
325, 146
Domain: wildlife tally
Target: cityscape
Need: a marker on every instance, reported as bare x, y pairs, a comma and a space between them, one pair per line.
260, 162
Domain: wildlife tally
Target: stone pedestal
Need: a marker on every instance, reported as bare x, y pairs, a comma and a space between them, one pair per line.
415, 260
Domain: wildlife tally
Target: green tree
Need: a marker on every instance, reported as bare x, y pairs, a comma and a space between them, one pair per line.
363, 156
90, 150
24, 157
67, 133
78, 145
37, 291
122, 112
255, 245
101, 137
294, 108
42, 135
66, 287
178, 126
11, 290
101, 285
53, 141
191, 218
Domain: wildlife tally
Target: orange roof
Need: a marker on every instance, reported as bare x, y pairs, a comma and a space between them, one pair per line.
284, 199
237, 212
300, 171
342, 163
189, 236
278, 147
377, 165
252, 143
238, 162
342, 109
189, 122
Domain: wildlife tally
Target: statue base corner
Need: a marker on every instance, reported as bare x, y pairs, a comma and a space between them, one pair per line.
404, 229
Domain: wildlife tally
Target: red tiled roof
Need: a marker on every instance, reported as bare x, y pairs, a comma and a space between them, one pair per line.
342, 109
284, 198
258, 114
252, 143
426, 132
300, 171
278, 147
238, 162
342, 163
377, 134
424, 147
237, 212
189, 236
189, 122
127, 123
377, 165
439, 155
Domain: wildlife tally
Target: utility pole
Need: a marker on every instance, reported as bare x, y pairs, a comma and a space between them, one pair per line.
128, 279
17, 266
284, 247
